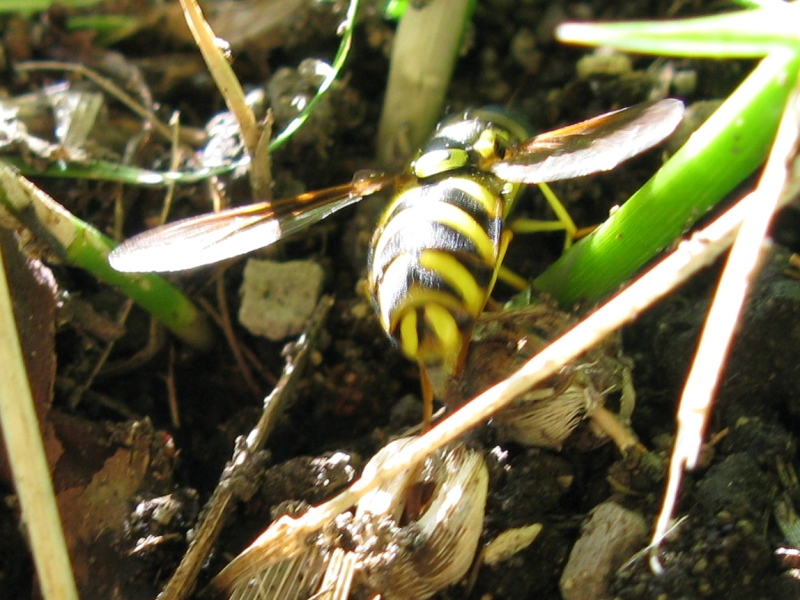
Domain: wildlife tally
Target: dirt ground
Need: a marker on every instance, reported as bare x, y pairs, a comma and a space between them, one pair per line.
122, 459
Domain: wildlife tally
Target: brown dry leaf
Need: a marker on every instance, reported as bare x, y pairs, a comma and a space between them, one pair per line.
95, 507
34, 293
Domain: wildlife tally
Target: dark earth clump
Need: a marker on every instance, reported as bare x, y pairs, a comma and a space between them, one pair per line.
353, 398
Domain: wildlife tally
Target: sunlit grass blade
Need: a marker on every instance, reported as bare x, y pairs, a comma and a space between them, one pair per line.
424, 53
347, 27
108, 29
26, 456
103, 170
81, 245
722, 153
748, 33
32, 6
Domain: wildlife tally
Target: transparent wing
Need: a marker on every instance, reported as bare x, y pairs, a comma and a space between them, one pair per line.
599, 144
214, 237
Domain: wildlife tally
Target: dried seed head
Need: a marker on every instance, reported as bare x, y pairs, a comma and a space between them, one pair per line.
436, 523
412, 536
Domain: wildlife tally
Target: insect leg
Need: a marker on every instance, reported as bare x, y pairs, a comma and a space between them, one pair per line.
564, 221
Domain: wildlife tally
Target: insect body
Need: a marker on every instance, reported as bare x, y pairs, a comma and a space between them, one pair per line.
438, 247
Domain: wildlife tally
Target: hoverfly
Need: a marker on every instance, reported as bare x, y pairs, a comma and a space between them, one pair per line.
438, 247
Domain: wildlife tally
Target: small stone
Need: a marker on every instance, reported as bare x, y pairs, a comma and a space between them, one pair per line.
611, 537
604, 63
278, 298
510, 542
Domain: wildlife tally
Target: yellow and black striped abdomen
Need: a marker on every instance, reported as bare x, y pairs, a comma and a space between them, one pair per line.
433, 262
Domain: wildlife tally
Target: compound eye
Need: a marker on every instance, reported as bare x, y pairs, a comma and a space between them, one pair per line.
502, 148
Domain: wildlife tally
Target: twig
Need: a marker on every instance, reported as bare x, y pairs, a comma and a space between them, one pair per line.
172, 394
103, 83
246, 352
695, 403
174, 164
77, 393
211, 47
28, 462
221, 501
254, 135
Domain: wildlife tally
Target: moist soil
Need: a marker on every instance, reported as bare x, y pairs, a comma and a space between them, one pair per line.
358, 392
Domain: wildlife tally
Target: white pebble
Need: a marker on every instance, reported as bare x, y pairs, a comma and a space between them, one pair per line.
278, 298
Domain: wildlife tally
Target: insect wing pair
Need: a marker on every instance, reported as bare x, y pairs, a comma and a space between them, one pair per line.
598, 144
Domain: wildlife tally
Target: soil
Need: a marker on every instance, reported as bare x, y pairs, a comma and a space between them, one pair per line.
358, 391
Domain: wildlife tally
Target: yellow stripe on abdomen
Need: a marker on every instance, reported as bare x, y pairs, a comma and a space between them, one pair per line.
433, 262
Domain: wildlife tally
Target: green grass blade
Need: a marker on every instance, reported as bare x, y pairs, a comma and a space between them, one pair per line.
347, 27
749, 33
102, 170
83, 246
33, 6
722, 153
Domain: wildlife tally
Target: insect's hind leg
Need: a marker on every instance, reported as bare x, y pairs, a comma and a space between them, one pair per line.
564, 222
